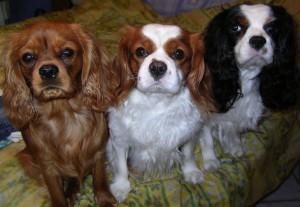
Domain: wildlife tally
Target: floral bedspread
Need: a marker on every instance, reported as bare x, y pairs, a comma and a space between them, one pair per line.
271, 151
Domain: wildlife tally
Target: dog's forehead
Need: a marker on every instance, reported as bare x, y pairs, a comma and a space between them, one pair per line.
52, 30
43, 37
258, 15
160, 34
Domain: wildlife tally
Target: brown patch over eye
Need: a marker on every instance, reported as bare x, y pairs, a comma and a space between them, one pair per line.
177, 54
143, 48
177, 49
239, 27
180, 51
140, 49
243, 22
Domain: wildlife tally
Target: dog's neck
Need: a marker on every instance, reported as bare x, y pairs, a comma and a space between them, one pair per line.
248, 78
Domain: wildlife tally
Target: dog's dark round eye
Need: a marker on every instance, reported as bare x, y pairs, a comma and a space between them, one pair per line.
66, 53
236, 28
141, 52
270, 28
28, 58
177, 54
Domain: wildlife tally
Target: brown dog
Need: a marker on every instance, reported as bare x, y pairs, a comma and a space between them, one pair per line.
56, 92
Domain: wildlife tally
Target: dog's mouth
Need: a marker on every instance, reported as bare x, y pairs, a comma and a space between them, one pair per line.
157, 87
254, 61
52, 92
54, 89
160, 88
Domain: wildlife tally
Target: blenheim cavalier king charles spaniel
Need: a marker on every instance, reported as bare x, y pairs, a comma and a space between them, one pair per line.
164, 96
57, 92
250, 51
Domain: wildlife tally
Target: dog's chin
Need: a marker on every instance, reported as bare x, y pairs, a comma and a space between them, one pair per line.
251, 59
255, 61
159, 89
51, 93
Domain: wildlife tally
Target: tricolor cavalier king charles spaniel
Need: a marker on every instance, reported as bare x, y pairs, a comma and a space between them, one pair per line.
250, 51
164, 94
56, 92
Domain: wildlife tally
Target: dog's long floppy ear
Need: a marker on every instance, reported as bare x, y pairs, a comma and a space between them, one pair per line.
279, 81
17, 98
121, 63
220, 60
96, 77
199, 79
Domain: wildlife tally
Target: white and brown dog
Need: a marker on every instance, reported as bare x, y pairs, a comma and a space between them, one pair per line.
164, 95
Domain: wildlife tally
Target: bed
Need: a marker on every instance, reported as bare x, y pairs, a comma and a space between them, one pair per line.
271, 151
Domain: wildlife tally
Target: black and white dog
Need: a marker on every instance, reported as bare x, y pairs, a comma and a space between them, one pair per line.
250, 51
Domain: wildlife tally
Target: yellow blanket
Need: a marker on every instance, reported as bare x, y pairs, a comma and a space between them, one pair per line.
271, 151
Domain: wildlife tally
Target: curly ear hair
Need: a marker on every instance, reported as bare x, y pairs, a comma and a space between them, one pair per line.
199, 78
97, 88
279, 81
220, 60
121, 66
17, 98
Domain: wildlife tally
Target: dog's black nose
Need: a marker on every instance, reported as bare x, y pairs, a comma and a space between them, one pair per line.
48, 72
257, 42
157, 69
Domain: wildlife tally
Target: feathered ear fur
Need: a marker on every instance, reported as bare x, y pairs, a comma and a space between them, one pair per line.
279, 80
220, 60
17, 99
121, 65
97, 78
199, 78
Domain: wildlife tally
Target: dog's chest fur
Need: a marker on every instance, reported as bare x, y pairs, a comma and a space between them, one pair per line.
247, 110
73, 131
154, 127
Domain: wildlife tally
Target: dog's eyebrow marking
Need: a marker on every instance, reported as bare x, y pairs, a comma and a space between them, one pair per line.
256, 13
160, 34
243, 21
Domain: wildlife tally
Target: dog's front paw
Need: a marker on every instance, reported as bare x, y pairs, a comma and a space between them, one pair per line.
120, 189
235, 151
211, 165
233, 146
105, 198
193, 175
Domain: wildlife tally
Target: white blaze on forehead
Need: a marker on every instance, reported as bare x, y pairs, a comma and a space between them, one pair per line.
257, 15
160, 34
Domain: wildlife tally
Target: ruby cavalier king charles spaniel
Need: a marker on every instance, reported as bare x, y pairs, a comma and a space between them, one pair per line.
56, 92
164, 97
